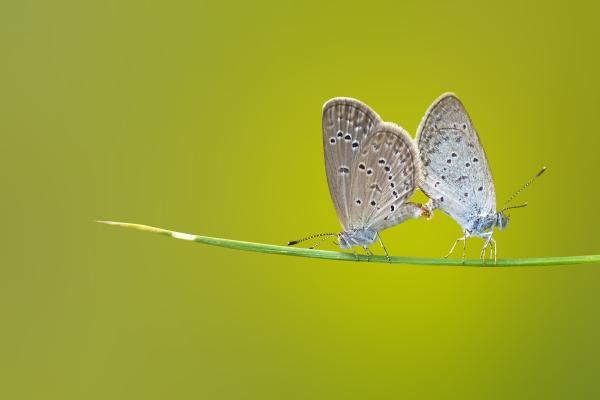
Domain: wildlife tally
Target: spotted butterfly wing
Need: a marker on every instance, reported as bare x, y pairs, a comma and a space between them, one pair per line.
385, 177
456, 175
346, 124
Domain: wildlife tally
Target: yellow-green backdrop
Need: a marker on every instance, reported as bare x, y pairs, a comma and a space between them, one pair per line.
205, 117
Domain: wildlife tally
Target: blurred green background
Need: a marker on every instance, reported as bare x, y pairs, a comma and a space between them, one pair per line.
205, 117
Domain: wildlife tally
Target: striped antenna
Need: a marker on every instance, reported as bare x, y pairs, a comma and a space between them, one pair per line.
520, 190
519, 206
293, 242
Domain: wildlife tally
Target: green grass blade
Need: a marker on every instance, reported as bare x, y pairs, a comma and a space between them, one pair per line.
336, 255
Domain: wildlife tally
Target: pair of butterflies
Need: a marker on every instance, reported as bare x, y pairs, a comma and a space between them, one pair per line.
373, 167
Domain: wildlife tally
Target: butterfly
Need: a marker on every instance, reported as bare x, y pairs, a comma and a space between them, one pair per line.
456, 174
372, 169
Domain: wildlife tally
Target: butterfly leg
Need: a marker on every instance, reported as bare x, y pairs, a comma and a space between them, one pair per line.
369, 254
314, 246
464, 240
493, 247
491, 252
488, 239
355, 255
454, 246
464, 254
384, 249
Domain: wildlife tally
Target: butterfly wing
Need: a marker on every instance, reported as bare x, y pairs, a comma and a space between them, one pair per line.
385, 176
456, 174
346, 124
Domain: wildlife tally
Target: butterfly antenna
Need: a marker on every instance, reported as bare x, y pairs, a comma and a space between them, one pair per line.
504, 208
519, 206
293, 242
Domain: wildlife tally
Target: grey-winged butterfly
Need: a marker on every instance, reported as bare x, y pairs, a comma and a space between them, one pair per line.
456, 175
372, 169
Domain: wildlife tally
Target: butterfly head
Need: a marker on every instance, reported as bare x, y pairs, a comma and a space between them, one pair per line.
343, 240
502, 220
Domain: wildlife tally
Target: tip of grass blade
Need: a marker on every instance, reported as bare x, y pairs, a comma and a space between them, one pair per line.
139, 227
107, 222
